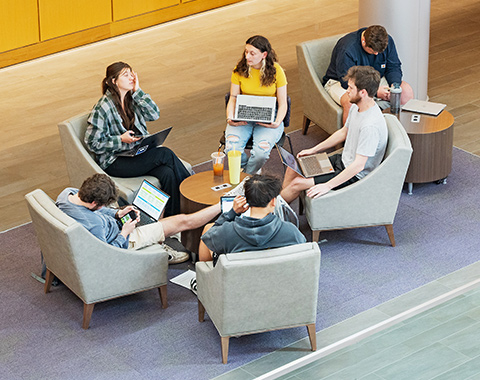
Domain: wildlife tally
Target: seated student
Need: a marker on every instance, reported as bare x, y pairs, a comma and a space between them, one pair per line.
115, 125
261, 230
365, 134
257, 73
86, 206
370, 46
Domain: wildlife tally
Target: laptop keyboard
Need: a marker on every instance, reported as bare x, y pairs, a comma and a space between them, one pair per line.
254, 113
311, 165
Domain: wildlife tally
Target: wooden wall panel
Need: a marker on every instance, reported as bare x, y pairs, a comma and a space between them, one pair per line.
59, 18
18, 23
123, 9
72, 23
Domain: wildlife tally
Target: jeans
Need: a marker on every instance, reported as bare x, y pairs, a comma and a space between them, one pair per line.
161, 163
264, 140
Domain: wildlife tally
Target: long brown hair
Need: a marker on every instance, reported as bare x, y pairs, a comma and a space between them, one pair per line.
112, 74
267, 76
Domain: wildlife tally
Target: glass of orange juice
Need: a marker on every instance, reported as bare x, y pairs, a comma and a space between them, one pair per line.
217, 161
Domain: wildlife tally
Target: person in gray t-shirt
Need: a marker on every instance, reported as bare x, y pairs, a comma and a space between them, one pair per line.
365, 135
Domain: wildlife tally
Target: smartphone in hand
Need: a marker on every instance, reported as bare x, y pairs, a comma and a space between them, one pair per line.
132, 215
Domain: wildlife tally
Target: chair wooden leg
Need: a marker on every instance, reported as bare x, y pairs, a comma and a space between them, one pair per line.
315, 236
163, 296
87, 314
391, 236
48, 280
225, 340
201, 312
306, 124
312, 335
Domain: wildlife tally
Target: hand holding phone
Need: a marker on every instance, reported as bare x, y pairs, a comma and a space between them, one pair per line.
132, 215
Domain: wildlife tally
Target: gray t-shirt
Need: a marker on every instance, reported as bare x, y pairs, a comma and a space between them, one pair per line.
367, 135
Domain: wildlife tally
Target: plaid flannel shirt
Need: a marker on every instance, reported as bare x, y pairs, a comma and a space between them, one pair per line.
105, 126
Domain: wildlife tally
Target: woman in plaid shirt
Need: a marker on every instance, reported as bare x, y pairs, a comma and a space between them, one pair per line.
113, 126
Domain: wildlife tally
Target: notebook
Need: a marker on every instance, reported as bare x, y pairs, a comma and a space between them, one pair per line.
307, 166
422, 106
146, 143
150, 200
255, 108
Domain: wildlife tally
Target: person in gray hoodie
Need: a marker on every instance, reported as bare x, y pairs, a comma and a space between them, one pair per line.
234, 232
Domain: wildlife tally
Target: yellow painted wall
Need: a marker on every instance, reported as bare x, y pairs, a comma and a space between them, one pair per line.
128, 8
61, 17
34, 28
18, 23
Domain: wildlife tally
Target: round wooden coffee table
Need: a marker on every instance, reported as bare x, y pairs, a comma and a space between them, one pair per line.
432, 143
195, 194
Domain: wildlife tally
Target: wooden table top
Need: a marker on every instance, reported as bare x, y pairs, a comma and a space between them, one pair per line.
427, 123
197, 188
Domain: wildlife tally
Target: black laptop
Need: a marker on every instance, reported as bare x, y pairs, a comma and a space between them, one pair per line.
146, 143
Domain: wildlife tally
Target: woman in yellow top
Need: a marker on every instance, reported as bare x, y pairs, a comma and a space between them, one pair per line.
257, 73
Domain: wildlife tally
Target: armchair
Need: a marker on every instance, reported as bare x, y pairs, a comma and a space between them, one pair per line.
371, 201
252, 292
95, 271
81, 162
313, 59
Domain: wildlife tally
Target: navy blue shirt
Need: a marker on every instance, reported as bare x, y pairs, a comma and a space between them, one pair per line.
349, 52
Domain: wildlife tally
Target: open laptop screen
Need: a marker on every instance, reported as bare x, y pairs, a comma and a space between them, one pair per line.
150, 200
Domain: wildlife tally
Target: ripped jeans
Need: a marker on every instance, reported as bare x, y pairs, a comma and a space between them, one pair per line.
264, 140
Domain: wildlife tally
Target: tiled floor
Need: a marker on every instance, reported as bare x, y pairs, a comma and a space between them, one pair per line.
440, 343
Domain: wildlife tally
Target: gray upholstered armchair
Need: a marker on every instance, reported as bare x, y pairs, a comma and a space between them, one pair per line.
313, 59
252, 292
371, 201
81, 162
95, 271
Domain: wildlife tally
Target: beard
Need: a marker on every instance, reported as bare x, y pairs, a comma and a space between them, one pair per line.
356, 99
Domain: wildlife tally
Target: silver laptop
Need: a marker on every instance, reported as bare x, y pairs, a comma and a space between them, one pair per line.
422, 106
255, 108
146, 143
307, 166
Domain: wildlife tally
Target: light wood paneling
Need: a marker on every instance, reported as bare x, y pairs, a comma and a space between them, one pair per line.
18, 23
186, 65
72, 32
58, 18
128, 8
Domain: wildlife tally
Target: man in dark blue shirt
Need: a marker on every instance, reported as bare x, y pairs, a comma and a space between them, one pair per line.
370, 46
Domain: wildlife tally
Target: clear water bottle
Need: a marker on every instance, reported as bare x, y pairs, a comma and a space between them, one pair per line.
395, 95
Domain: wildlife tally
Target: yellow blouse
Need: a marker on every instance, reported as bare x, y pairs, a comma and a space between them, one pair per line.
252, 86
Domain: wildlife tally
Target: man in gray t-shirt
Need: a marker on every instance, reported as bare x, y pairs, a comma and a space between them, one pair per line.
365, 135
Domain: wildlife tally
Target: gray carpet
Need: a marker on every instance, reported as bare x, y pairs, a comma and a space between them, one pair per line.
436, 231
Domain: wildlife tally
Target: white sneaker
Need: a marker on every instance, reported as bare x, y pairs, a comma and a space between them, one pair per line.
175, 257
177, 236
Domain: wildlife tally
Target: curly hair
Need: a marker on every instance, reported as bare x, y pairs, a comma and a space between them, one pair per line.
376, 38
98, 188
268, 72
112, 73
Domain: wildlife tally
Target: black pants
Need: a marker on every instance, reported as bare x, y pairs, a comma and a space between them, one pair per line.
161, 163
336, 161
